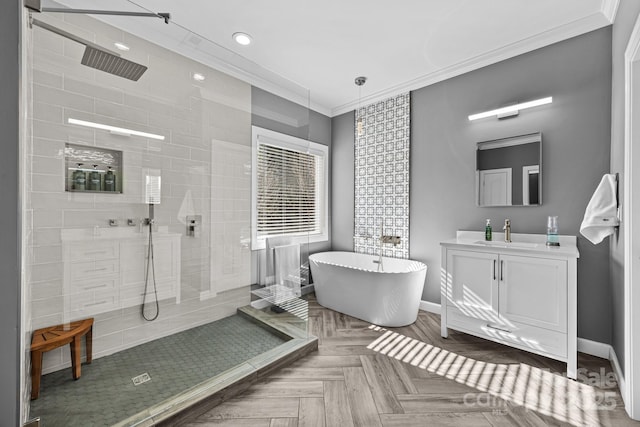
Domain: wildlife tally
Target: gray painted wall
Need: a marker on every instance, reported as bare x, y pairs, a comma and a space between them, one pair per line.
272, 112
576, 149
628, 11
10, 24
576, 144
343, 195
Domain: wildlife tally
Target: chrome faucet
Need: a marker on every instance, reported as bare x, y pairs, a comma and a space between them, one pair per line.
379, 262
380, 239
507, 230
394, 240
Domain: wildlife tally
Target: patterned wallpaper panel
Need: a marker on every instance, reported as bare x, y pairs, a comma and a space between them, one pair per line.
382, 176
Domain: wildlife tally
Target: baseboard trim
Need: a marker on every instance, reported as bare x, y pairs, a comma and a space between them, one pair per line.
431, 307
594, 348
604, 351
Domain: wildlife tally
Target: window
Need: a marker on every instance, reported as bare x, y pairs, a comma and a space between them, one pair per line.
289, 187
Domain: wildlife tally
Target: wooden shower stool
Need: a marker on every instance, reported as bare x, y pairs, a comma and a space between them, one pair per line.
52, 337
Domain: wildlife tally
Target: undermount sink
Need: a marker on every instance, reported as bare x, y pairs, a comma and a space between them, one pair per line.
499, 244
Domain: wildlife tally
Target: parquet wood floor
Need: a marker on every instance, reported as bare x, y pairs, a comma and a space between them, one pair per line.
368, 376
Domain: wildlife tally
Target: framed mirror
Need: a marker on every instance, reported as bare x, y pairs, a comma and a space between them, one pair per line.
509, 171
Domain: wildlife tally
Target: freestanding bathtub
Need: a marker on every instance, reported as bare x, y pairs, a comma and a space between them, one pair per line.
350, 283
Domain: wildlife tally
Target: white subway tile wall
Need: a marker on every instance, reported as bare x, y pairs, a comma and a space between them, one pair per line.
382, 176
203, 160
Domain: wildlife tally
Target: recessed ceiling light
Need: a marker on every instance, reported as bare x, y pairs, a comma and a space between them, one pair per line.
198, 77
242, 38
121, 46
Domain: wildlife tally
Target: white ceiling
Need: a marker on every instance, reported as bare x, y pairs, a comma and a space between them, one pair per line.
311, 51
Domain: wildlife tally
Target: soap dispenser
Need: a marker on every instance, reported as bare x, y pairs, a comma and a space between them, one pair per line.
487, 231
110, 180
79, 178
94, 179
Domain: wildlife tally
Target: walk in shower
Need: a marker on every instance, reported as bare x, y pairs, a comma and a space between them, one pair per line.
137, 198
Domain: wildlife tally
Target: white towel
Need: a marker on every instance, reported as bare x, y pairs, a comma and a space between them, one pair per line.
287, 268
601, 215
270, 256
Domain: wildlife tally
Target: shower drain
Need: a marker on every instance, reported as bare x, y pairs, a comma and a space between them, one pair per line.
141, 379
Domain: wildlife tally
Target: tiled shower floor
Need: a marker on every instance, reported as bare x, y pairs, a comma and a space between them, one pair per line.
105, 393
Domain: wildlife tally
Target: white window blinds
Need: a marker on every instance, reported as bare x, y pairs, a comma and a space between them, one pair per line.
290, 187
287, 189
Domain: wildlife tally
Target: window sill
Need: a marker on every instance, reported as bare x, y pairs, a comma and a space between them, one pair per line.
301, 240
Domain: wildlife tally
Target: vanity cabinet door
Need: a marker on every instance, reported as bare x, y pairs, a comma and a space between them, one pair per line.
471, 284
91, 278
533, 291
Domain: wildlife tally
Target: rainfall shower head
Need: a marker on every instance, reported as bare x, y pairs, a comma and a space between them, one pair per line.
112, 63
98, 57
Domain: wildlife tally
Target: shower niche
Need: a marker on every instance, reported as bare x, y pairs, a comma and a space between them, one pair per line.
92, 169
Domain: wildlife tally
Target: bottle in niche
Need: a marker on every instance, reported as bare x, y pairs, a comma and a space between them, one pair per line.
552, 231
110, 180
94, 179
79, 178
487, 231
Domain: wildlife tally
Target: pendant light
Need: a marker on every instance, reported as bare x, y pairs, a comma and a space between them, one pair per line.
359, 125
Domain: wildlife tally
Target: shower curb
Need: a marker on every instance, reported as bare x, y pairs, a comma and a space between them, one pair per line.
208, 394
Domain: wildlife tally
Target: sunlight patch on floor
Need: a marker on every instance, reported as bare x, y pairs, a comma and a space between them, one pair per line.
521, 384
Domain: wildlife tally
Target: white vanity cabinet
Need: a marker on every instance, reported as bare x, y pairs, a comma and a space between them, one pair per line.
521, 294
104, 270
91, 277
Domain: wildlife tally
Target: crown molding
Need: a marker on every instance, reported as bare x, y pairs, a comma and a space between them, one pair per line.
584, 25
243, 69
609, 9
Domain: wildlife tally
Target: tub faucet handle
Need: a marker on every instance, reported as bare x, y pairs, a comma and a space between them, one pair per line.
394, 240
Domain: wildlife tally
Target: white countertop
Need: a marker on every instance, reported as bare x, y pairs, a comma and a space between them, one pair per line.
520, 243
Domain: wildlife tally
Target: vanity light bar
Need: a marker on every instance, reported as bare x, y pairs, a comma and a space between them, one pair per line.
115, 129
511, 108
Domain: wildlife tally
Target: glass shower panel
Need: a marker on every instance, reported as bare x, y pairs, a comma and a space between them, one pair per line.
284, 191
138, 201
